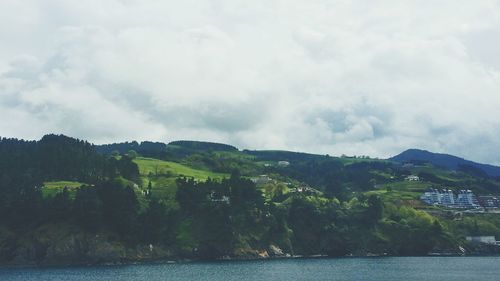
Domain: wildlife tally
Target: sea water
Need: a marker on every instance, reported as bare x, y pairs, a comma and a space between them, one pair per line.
383, 268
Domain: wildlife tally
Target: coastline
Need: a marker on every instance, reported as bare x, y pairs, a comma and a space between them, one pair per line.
169, 260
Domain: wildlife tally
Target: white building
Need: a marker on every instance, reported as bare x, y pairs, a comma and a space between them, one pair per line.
431, 197
262, 179
445, 197
283, 163
482, 239
412, 178
219, 199
467, 199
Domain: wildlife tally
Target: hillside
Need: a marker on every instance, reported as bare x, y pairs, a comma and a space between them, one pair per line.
446, 161
66, 200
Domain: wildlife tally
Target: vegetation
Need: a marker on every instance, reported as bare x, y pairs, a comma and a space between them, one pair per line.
197, 200
156, 168
51, 188
447, 161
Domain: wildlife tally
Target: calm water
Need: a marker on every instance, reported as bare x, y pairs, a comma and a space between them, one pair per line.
393, 268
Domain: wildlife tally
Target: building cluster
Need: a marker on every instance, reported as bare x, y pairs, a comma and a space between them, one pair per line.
483, 239
262, 179
465, 199
489, 202
304, 189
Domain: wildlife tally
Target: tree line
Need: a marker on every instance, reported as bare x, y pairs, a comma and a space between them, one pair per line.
209, 219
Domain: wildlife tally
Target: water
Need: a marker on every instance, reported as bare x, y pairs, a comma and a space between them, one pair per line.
389, 268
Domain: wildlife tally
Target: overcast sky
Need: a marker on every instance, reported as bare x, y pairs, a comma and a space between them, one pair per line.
337, 77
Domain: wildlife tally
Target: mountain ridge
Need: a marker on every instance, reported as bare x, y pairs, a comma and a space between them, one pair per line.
444, 160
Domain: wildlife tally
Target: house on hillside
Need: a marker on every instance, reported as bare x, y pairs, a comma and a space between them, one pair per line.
283, 163
218, 198
262, 179
304, 189
482, 239
489, 202
412, 178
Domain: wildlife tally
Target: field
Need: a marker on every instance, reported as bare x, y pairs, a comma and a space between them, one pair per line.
51, 188
162, 176
351, 160
155, 167
402, 192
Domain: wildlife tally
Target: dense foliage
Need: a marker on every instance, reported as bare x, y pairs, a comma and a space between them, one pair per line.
213, 218
25, 165
145, 148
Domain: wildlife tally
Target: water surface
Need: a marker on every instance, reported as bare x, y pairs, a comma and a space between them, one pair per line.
387, 268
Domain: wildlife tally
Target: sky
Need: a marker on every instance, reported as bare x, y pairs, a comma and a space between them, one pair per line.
324, 76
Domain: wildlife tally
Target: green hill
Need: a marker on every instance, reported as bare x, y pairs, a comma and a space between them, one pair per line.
446, 161
196, 200
155, 167
51, 188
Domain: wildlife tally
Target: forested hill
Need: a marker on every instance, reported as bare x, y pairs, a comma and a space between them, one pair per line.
446, 161
124, 147
58, 157
204, 146
175, 149
64, 200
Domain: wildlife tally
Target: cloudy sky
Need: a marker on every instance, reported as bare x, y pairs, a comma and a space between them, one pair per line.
337, 77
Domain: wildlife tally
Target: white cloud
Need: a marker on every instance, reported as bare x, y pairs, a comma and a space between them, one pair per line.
364, 77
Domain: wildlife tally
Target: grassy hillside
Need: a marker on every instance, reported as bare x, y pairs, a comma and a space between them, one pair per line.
51, 188
314, 204
163, 174
402, 193
155, 167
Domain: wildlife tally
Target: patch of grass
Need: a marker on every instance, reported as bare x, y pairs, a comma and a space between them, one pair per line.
163, 174
439, 173
155, 167
51, 188
352, 160
164, 188
402, 192
233, 154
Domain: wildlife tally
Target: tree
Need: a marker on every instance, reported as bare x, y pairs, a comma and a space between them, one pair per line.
132, 154
128, 169
88, 208
120, 206
157, 223
60, 206
375, 208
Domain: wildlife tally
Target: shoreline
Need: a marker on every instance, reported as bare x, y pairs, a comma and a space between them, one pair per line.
162, 261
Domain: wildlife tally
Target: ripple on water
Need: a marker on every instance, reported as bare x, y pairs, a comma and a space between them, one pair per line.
387, 268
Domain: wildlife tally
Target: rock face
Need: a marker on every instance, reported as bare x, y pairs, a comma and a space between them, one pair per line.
84, 248
275, 251
64, 243
68, 245
249, 253
8, 245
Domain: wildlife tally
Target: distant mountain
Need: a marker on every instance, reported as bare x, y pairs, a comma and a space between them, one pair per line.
446, 161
